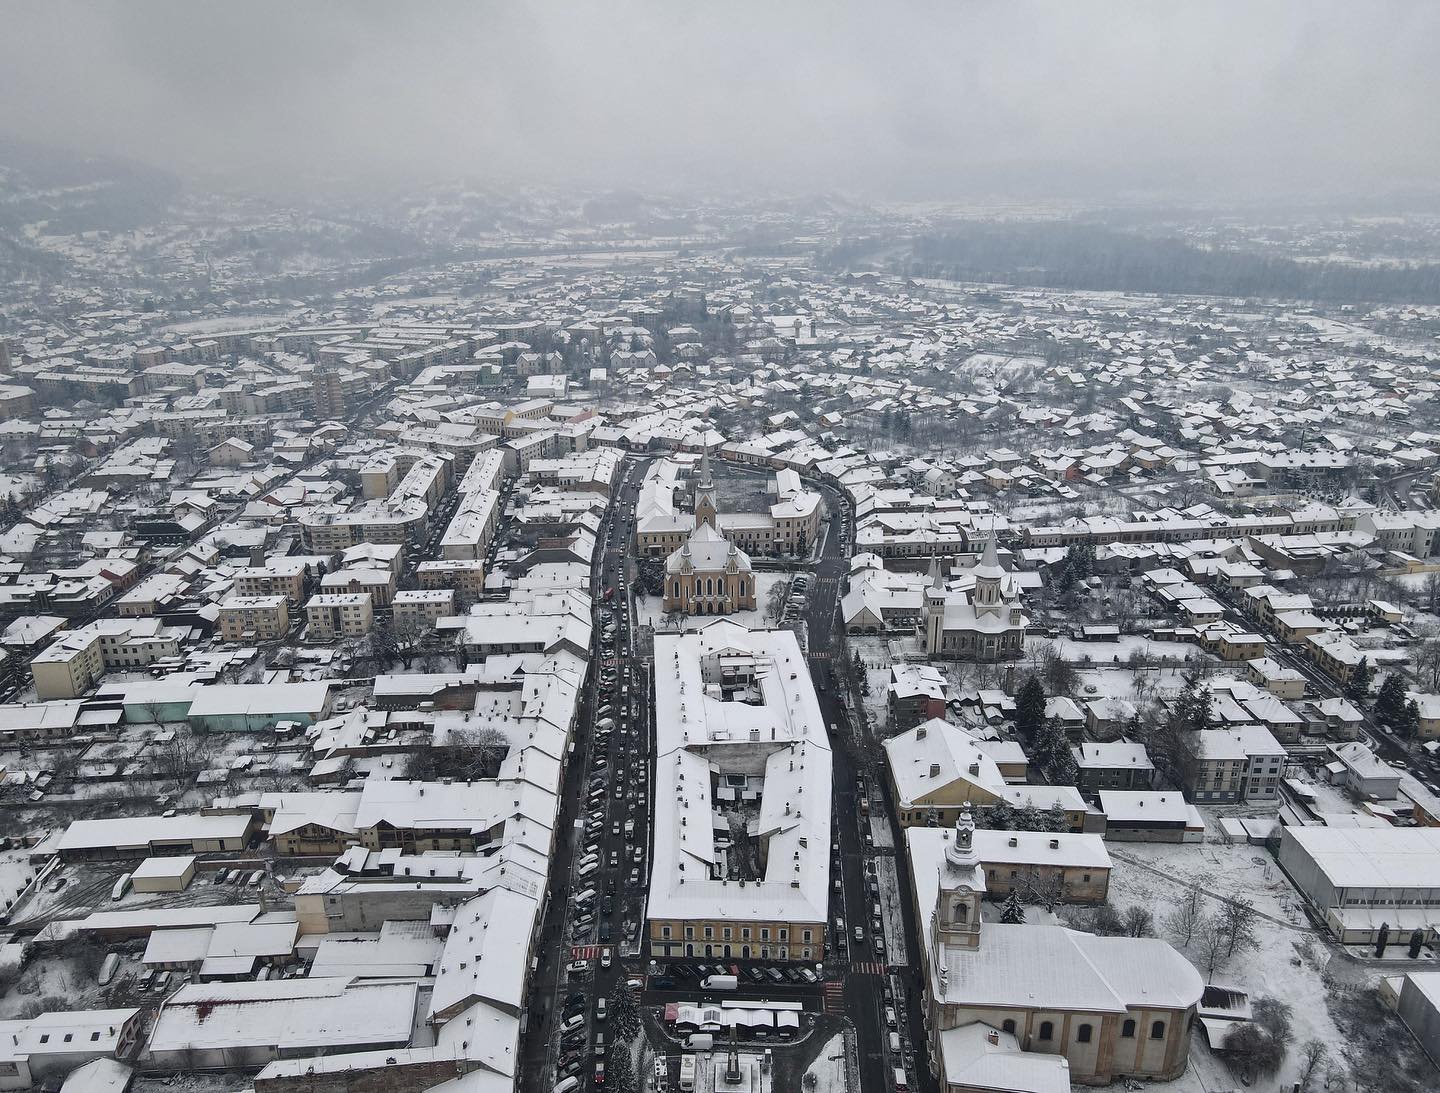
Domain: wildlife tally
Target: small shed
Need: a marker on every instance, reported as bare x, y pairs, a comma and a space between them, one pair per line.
164, 874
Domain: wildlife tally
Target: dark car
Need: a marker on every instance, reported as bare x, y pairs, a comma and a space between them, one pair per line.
662, 982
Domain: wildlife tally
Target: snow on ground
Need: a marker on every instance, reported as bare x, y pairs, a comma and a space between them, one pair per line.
16, 872
880, 830
1289, 961
892, 908
1120, 650
649, 609
827, 1072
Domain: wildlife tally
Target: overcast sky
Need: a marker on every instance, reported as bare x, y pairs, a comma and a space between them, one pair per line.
877, 99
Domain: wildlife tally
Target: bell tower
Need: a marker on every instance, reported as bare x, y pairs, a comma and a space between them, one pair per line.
934, 608
705, 507
988, 579
962, 885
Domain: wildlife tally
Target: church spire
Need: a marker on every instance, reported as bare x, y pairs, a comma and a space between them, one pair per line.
706, 509
706, 482
961, 853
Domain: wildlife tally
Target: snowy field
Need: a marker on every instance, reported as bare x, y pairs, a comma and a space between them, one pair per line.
1292, 962
1120, 650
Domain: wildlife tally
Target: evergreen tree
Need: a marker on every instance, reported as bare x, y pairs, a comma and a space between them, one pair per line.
1055, 818
1030, 708
620, 1068
1408, 723
1053, 755
1028, 818
1359, 685
1191, 711
1390, 700
998, 817
1012, 911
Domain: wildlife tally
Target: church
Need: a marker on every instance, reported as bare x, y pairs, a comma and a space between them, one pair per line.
980, 620
1036, 1006
708, 575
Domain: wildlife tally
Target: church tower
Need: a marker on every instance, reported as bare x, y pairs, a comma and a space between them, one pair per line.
956, 922
705, 507
934, 608
989, 578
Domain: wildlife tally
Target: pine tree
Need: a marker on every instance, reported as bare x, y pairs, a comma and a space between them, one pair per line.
1012, 911
1030, 708
1390, 700
1053, 755
1358, 686
1408, 723
998, 817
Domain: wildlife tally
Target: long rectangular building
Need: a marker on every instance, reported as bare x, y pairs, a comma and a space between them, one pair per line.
741, 863
1360, 878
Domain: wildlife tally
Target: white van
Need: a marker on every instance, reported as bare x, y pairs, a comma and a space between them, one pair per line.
902, 1083
894, 1043
121, 887
889, 1016
569, 1085
587, 869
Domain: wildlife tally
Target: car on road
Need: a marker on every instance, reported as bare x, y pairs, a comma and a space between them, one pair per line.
578, 967
572, 1022
775, 975
662, 983
605, 958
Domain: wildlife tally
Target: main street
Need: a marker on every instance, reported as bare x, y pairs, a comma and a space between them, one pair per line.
870, 982
606, 786
608, 783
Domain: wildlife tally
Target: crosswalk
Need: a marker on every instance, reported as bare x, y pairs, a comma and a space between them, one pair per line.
869, 967
834, 996
584, 952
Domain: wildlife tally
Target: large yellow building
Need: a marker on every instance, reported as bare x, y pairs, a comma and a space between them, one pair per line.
1061, 1004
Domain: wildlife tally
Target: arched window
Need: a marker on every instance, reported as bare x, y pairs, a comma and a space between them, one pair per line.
1047, 1030
1157, 1030
1127, 1030
962, 912
1083, 1035
1008, 1026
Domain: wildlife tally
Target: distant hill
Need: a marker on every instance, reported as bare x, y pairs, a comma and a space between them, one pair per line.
1067, 255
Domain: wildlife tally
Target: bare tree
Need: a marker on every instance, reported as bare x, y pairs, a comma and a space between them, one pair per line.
1237, 918
1427, 660
1182, 922
1312, 1057
1139, 921
1210, 942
